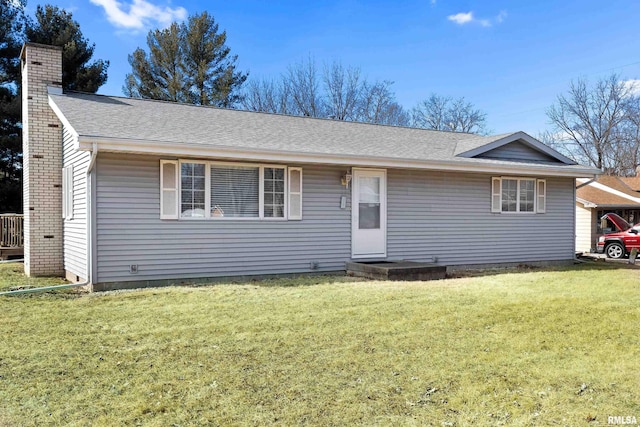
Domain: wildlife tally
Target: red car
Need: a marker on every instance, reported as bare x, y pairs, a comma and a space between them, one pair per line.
620, 243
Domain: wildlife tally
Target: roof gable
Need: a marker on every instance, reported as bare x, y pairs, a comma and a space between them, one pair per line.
518, 147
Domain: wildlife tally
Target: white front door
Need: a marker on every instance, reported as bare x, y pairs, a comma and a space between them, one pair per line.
369, 214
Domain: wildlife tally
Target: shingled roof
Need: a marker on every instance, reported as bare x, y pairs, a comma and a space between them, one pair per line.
608, 191
632, 182
99, 118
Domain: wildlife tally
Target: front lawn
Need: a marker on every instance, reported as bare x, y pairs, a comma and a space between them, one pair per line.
535, 347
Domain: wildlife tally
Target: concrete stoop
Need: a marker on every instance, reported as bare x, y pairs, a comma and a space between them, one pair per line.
398, 270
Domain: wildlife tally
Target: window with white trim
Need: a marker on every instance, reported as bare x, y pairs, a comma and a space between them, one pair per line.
192, 189
518, 195
221, 190
274, 192
235, 191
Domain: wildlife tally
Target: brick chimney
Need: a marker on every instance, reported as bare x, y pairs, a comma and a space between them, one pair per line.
41, 161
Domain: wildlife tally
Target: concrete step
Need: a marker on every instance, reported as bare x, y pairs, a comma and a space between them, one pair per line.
396, 270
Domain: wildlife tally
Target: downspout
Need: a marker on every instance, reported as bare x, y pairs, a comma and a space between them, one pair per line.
92, 161
587, 182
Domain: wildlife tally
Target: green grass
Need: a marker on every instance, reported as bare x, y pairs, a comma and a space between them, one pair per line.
12, 277
536, 347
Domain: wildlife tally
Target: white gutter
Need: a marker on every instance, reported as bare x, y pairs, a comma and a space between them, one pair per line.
92, 161
586, 182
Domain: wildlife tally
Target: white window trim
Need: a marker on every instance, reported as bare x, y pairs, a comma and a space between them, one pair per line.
536, 182
207, 186
207, 192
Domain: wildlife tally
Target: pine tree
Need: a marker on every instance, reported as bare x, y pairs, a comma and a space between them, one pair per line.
188, 62
54, 26
11, 20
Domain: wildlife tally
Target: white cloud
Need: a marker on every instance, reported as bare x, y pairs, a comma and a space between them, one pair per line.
633, 86
468, 18
139, 14
461, 18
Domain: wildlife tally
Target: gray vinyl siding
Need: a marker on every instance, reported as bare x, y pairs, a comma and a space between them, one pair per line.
448, 216
430, 214
75, 230
130, 230
518, 151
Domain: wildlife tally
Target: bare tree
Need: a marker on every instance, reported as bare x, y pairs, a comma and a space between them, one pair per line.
268, 96
378, 105
448, 114
304, 86
342, 89
594, 124
625, 153
339, 93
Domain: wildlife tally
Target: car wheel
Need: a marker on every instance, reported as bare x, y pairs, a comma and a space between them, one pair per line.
614, 250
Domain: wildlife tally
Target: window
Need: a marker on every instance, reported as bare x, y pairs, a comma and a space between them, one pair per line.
192, 190
229, 190
524, 195
235, 191
67, 192
274, 192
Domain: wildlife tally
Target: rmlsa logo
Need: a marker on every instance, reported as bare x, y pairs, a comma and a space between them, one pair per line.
629, 420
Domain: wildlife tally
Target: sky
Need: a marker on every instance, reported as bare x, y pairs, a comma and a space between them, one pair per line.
511, 59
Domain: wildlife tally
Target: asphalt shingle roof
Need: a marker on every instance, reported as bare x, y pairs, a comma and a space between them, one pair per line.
100, 116
601, 197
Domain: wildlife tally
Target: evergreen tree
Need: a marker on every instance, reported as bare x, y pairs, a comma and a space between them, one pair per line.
51, 26
54, 26
11, 20
188, 62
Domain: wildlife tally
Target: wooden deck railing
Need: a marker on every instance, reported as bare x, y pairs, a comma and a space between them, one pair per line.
11, 230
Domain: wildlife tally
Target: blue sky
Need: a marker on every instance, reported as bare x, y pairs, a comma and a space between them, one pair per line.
510, 58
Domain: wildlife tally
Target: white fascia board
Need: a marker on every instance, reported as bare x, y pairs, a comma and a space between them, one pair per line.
65, 123
231, 153
614, 191
518, 136
586, 203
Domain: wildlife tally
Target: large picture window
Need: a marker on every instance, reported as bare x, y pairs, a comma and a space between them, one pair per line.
518, 195
235, 191
230, 190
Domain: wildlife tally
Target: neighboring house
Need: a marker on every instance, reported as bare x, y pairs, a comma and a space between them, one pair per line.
152, 192
594, 198
633, 182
